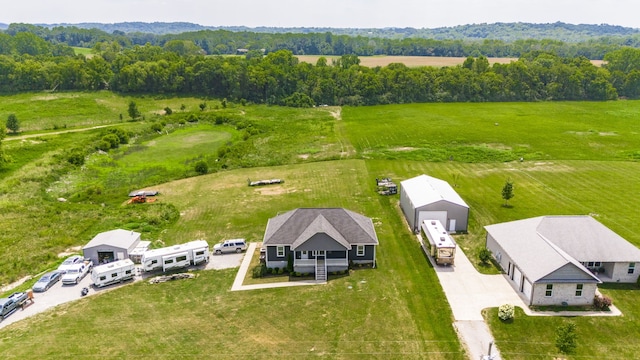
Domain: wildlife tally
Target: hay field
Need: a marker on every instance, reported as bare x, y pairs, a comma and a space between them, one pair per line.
413, 61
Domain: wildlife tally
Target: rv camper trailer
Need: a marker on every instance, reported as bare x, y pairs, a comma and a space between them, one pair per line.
113, 272
440, 246
175, 257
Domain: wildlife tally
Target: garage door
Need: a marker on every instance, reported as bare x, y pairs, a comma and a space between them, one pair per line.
526, 289
517, 278
432, 215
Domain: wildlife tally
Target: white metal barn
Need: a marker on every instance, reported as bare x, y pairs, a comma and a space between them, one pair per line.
111, 246
427, 198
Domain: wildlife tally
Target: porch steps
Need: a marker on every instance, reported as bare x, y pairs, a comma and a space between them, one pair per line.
321, 271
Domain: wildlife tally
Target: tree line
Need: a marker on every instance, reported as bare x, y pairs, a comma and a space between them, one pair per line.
279, 78
225, 42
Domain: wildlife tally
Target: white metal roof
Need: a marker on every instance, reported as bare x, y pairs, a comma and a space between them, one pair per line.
423, 190
117, 238
174, 249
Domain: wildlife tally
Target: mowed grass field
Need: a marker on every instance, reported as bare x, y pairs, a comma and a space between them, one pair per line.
395, 311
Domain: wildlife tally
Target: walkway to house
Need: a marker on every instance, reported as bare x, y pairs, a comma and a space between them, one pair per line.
244, 267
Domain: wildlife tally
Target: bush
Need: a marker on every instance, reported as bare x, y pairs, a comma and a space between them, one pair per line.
201, 167
566, 338
602, 302
103, 145
76, 157
280, 271
112, 139
506, 312
269, 271
259, 271
192, 118
485, 255
168, 111
156, 127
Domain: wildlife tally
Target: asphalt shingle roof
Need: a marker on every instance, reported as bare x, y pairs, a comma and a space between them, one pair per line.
296, 226
544, 244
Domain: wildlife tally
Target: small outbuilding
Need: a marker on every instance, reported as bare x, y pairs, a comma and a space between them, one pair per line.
111, 246
427, 198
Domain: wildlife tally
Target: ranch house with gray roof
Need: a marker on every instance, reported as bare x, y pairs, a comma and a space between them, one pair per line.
554, 260
320, 240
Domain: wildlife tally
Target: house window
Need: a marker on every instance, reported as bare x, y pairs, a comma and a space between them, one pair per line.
280, 251
632, 268
549, 291
597, 264
590, 264
579, 289
360, 250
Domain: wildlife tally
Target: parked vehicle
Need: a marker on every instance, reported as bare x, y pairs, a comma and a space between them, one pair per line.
69, 262
47, 280
75, 273
175, 257
113, 272
228, 246
10, 304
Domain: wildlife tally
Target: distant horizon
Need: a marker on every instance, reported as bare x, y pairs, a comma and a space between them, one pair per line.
359, 14
307, 27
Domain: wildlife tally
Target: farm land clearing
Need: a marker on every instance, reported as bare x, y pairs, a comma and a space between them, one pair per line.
411, 61
579, 158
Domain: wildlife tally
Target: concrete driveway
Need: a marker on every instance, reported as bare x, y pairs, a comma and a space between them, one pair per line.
468, 293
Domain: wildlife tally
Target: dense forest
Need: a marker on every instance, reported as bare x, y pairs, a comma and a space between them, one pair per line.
35, 58
590, 41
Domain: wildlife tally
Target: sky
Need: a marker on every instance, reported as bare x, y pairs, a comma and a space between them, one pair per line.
324, 13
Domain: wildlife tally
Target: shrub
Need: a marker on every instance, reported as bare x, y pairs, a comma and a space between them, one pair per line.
112, 139
192, 118
506, 312
259, 271
566, 338
103, 145
201, 167
76, 157
602, 302
269, 271
168, 111
156, 127
280, 271
485, 255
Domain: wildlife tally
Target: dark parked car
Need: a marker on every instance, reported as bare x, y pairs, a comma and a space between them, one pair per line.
46, 281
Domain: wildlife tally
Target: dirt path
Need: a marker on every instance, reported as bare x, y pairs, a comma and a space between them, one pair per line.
22, 137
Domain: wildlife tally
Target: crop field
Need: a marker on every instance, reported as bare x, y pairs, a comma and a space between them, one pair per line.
411, 61
578, 158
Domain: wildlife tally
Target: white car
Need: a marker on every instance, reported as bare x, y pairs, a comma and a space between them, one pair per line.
75, 273
70, 262
234, 245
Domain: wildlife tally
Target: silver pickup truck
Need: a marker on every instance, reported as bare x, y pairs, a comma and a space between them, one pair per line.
10, 304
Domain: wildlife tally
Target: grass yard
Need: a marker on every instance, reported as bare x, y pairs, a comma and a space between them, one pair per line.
579, 158
394, 311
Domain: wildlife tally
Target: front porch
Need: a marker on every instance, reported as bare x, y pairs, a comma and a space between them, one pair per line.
320, 262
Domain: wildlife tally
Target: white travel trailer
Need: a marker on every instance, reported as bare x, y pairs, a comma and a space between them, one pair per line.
113, 272
440, 246
177, 256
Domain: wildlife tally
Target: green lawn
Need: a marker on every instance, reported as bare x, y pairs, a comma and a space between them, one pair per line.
579, 158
